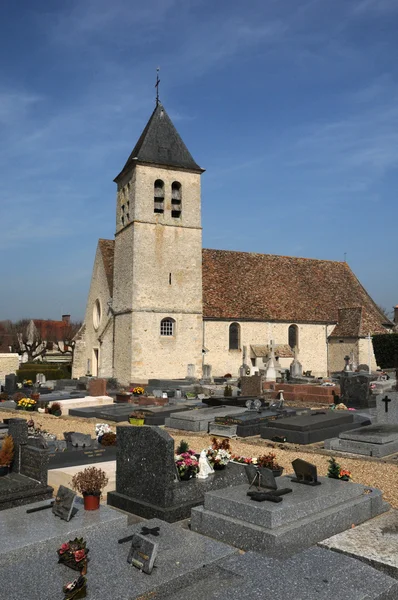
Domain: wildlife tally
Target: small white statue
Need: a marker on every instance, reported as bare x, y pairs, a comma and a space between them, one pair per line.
204, 466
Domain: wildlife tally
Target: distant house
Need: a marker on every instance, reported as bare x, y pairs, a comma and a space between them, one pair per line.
52, 339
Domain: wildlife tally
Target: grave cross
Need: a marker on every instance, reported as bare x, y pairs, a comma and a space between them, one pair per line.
386, 400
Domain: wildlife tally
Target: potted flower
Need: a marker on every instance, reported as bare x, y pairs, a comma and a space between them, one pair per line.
90, 484
55, 409
6, 455
186, 462
27, 383
219, 454
336, 472
108, 439
26, 404
137, 391
268, 461
137, 417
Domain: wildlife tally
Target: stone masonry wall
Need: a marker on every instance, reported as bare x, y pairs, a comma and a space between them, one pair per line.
311, 343
9, 363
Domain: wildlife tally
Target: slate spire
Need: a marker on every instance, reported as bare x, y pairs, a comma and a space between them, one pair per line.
161, 144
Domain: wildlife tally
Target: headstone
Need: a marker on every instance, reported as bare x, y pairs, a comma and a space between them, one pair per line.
40, 378
260, 477
157, 393
191, 371
63, 503
387, 408
270, 371
146, 485
355, 389
97, 387
296, 369
305, 472
207, 372
80, 440
10, 384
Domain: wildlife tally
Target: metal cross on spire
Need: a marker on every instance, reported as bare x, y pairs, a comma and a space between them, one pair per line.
157, 86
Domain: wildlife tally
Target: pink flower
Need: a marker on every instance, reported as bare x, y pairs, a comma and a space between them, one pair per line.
79, 555
64, 548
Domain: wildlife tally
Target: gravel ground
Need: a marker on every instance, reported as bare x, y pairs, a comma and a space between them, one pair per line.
375, 473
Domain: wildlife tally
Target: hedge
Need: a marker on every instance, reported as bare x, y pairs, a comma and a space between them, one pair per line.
44, 365
385, 347
49, 373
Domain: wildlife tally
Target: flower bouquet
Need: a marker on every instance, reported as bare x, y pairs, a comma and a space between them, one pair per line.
336, 472
101, 429
26, 404
219, 454
243, 460
73, 554
268, 461
137, 391
187, 464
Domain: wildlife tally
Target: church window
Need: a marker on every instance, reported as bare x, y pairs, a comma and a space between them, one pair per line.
122, 220
293, 336
128, 216
176, 199
167, 327
97, 314
158, 197
234, 336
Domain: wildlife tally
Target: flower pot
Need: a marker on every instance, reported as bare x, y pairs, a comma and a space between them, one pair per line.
4, 470
91, 502
277, 472
186, 476
134, 421
35, 396
218, 467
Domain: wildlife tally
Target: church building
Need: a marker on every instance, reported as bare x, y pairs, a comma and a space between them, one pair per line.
159, 302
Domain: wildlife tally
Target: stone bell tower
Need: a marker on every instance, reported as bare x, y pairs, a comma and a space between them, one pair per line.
157, 281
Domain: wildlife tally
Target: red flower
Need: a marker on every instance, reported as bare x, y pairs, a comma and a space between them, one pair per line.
79, 555
64, 548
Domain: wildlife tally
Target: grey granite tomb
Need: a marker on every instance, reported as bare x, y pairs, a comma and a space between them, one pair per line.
379, 439
146, 476
314, 427
304, 517
198, 420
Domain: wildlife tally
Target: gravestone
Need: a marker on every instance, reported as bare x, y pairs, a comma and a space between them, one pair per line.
97, 387
306, 473
27, 481
63, 503
206, 372
40, 378
145, 476
387, 408
296, 369
10, 384
198, 420
191, 371
80, 440
142, 553
355, 389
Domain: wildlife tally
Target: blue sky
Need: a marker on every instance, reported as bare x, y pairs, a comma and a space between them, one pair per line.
290, 106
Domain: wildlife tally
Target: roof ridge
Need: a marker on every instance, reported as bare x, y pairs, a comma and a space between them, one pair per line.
277, 256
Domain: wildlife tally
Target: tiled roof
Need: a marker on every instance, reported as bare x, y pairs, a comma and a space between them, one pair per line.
241, 285
107, 248
49, 329
161, 144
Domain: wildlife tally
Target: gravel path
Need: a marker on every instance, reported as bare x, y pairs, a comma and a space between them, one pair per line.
382, 474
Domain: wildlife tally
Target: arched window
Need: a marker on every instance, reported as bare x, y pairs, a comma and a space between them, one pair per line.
234, 336
167, 327
293, 336
158, 196
176, 199
97, 314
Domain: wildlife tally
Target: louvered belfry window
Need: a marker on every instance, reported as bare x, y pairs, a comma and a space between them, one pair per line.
158, 199
176, 200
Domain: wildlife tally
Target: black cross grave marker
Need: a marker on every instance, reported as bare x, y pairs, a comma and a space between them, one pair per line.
386, 400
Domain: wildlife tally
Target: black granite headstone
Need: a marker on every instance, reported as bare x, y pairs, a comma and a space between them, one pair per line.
261, 477
63, 503
80, 440
142, 553
10, 384
305, 472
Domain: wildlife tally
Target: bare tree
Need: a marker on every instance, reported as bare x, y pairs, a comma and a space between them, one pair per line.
25, 338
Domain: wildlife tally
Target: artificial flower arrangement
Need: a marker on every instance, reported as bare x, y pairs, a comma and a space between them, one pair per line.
268, 461
73, 554
28, 382
186, 461
336, 472
101, 429
219, 453
137, 391
243, 459
26, 404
